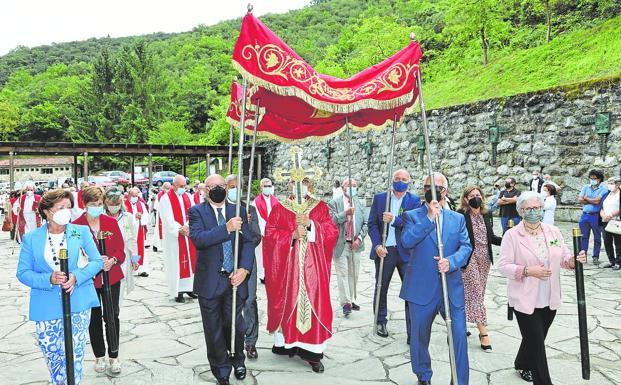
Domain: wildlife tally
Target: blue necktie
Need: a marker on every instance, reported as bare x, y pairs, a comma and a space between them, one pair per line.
227, 249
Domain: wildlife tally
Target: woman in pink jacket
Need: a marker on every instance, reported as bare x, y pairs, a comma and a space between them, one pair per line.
531, 256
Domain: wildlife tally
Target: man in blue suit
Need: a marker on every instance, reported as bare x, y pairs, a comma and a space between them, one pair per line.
394, 254
213, 236
422, 288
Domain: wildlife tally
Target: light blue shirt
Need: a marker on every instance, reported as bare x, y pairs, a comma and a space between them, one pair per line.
591, 193
395, 206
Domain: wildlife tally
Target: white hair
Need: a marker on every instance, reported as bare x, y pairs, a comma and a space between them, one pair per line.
527, 196
230, 178
435, 174
264, 181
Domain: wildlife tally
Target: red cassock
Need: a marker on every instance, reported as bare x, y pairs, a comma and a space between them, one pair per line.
115, 246
282, 275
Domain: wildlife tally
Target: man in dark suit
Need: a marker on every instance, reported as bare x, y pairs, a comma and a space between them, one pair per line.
394, 255
213, 236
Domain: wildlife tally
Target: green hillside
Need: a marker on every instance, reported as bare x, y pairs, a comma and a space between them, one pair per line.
174, 88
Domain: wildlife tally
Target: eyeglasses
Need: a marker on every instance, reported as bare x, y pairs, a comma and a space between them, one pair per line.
531, 209
214, 186
428, 187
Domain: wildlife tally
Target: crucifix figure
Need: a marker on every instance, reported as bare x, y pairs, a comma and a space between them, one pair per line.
297, 173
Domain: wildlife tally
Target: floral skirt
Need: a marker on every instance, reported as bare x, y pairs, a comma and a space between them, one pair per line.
51, 339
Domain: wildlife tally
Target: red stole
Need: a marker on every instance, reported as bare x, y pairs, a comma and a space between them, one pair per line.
261, 205
79, 198
184, 269
35, 207
159, 218
197, 198
141, 233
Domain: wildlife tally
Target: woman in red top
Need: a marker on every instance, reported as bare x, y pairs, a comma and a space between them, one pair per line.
93, 217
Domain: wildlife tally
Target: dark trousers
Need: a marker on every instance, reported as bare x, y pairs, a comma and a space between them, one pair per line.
505, 220
612, 242
216, 316
392, 261
251, 314
95, 329
532, 354
588, 223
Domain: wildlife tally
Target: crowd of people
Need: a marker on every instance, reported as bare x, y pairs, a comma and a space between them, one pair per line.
212, 251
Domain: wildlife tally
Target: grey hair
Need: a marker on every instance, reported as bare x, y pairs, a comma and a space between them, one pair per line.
230, 178
264, 181
437, 174
526, 196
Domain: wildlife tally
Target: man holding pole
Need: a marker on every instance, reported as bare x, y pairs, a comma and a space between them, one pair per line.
394, 254
422, 287
212, 229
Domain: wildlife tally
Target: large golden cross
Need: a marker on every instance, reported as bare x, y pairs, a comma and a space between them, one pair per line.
297, 173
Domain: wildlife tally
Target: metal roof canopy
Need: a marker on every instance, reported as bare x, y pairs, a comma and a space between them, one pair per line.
67, 148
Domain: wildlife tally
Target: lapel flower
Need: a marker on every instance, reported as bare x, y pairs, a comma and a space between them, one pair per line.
554, 242
401, 210
74, 233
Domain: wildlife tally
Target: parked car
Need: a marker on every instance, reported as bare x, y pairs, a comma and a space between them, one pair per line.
116, 175
139, 179
101, 180
159, 178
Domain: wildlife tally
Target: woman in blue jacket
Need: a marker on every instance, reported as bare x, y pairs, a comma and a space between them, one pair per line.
39, 269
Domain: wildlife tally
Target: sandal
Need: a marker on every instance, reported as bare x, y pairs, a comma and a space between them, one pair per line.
486, 348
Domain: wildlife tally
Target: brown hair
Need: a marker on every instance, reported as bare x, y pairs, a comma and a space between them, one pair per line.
52, 197
463, 202
551, 189
92, 194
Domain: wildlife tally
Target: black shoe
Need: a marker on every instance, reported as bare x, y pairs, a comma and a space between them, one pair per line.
347, 309
191, 294
223, 381
240, 372
526, 375
486, 348
381, 330
180, 298
408, 340
468, 334
317, 366
422, 382
147, 246
596, 261
251, 352
608, 265
262, 280
282, 351
143, 274
355, 307
155, 248
616, 267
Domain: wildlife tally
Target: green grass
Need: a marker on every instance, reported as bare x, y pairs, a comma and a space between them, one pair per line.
581, 56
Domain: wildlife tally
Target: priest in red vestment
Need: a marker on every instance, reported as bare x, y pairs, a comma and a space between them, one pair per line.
300, 238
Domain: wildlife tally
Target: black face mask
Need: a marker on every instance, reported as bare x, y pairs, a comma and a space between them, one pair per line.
508, 185
217, 194
475, 203
429, 198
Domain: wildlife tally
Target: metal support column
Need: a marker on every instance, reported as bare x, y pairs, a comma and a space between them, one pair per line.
131, 171
183, 166
150, 171
11, 170
259, 164
75, 170
85, 167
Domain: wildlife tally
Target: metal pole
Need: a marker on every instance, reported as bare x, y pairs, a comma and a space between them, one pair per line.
231, 133
85, 168
380, 272
351, 199
240, 169
150, 171
259, 164
131, 172
251, 168
447, 309
108, 305
75, 170
209, 165
11, 170
183, 166
582, 313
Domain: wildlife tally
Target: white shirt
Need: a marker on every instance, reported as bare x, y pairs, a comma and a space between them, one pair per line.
49, 256
534, 185
543, 294
611, 203
549, 208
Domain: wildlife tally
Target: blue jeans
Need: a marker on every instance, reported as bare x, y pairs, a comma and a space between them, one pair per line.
588, 223
504, 220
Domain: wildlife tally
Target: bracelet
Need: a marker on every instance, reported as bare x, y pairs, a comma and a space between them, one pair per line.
526, 271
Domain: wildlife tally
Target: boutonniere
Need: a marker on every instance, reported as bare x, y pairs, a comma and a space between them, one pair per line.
401, 210
74, 234
105, 234
554, 242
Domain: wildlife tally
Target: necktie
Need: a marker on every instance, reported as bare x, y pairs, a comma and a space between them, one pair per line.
227, 249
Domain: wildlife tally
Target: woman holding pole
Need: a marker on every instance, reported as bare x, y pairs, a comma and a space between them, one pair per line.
93, 217
531, 256
39, 268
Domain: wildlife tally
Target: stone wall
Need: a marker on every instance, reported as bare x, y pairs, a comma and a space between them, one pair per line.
552, 132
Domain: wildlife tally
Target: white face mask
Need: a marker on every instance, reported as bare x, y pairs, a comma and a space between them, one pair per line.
30, 193
613, 187
304, 190
114, 209
62, 217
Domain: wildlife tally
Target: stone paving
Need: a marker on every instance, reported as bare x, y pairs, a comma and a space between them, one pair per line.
162, 342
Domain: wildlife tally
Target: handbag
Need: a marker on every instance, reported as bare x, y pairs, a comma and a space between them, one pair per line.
7, 226
613, 226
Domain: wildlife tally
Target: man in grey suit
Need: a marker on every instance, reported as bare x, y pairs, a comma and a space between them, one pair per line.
349, 216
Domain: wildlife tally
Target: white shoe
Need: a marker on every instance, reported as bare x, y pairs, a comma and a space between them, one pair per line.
100, 364
115, 366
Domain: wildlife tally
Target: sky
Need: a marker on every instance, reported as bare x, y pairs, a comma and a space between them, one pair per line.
39, 22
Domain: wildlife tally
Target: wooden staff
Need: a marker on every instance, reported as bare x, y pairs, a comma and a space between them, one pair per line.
63, 258
582, 316
107, 298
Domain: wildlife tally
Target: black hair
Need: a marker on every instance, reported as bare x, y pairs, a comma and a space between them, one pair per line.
598, 174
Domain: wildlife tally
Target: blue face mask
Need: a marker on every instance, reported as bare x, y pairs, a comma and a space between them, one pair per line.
399, 186
95, 211
594, 182
133, 200
354, 191
232, 194
268, 190
180, 191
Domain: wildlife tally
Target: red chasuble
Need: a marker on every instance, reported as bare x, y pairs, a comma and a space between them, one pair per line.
141, 232
187, 252
35, 208
282, 278
261, 205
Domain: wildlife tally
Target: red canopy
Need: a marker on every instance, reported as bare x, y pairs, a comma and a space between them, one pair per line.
297, 102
